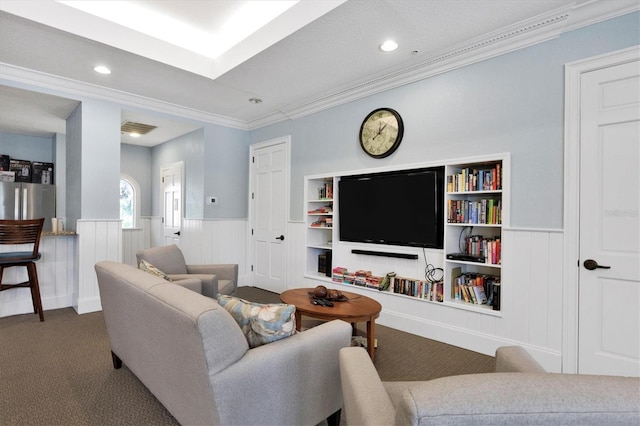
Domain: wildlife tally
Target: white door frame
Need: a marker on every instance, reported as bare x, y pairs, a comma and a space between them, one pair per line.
250, 241
573, 72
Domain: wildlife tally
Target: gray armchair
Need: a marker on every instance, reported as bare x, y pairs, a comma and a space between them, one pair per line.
208, 280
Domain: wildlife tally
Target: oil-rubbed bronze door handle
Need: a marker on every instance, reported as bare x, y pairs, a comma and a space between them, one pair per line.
591, 264
281, 238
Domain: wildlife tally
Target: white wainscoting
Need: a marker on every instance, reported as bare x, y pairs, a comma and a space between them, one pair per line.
99, 239
206, 241
55, 276
134, 240
531, 310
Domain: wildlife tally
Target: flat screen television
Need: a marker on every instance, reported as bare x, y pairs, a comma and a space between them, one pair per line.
403, 208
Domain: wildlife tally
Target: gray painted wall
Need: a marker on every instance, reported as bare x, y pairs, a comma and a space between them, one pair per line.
215, 163
25, 147
511, 103
135, 161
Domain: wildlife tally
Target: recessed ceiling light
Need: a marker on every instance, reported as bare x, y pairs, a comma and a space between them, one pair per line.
255, 100
389, 46
135, 135
101, 69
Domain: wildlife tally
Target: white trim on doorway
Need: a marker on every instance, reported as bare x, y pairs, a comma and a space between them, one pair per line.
573, 72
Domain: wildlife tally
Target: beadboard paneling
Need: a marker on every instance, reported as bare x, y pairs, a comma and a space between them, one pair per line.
97, 240
55, 276
134, 240
215, 241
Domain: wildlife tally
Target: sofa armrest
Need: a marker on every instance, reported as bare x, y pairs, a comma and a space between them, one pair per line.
515, 359
366, 401
522, 398
222, 271
295, 380
193, 284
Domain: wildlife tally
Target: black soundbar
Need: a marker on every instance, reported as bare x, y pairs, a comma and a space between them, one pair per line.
385, 254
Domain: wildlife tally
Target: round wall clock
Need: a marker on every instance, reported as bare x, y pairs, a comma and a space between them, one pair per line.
381, 132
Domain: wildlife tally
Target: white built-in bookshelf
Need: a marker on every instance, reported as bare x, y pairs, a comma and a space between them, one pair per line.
476, 209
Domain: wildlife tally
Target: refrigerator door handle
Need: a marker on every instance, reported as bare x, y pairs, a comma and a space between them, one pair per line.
16, 204
25, 200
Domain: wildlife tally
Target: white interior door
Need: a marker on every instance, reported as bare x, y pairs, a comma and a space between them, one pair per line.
269, 174
172, 202
609, 277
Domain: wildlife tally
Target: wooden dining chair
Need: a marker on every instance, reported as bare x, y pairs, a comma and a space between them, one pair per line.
20, 232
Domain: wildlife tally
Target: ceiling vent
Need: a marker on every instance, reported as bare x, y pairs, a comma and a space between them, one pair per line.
139, 128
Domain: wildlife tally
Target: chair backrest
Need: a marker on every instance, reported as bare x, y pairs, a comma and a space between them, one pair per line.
169, 259
22, 232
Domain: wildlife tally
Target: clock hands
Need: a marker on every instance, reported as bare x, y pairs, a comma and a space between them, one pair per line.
380, 129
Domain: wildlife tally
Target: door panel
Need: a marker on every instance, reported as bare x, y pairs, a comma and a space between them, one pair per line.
172, 203
609, 297
269, 171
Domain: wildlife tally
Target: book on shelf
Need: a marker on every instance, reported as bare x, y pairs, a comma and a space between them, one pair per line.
476, 288
485, 211
476, 179
325, 192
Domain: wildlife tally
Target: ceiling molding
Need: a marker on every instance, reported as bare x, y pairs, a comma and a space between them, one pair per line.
521, 35
81, 90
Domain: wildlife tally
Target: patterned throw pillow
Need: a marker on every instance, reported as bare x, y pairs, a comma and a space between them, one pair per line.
147, 267
261, 323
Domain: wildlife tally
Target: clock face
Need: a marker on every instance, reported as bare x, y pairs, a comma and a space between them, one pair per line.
381, 132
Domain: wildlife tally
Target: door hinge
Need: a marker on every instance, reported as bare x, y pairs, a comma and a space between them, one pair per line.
251, 231
253, 159
163, 220
252, 195
251, 268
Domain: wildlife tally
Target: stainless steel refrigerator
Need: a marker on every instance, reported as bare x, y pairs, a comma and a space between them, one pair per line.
28, 201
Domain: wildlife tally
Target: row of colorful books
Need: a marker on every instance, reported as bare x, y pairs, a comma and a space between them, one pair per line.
486, 211
486, 247
408, 286
323, 222
468, 180
325, 192
327, 209
428, 290
479, 289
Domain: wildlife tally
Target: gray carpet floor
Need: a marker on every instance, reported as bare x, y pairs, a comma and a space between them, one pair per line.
59, 372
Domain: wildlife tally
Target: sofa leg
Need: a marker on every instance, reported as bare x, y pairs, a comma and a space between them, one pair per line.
117, 362
334, 419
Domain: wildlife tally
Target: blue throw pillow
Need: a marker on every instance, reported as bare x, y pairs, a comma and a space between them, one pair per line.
261, 323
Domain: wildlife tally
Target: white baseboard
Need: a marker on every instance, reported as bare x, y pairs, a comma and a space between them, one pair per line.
465, 338
88, 305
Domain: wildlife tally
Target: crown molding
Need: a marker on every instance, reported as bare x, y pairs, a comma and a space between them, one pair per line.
515, 37
82, 90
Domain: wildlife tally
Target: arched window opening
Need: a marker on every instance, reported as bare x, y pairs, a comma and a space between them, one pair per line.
129, 197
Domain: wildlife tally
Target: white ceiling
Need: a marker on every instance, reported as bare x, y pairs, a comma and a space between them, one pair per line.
315, 54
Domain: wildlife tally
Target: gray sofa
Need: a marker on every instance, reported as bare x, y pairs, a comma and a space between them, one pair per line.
519, 392
192, 355
209, 280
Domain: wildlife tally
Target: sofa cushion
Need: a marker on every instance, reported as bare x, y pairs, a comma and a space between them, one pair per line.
148, 267
260, 323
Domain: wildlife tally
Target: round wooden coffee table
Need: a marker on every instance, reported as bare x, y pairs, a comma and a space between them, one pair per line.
356, 308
